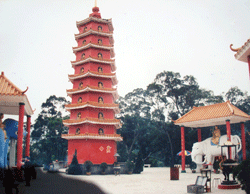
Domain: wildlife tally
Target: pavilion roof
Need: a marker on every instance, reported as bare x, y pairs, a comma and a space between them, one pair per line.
11, 96
212, 115
242, 52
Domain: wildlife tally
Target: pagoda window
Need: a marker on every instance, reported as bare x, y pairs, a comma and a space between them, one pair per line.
99, 55
100, 70
77, 131
100, 84
83, 56
100, 115
79, 115
82, 70
80, 85
84, 29
80, 100
100, 100
100, 41
99, 29
100, 131
84, 42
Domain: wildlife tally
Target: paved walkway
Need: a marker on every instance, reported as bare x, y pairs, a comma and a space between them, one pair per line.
150, 181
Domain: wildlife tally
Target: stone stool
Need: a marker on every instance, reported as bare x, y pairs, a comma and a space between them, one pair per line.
216, 182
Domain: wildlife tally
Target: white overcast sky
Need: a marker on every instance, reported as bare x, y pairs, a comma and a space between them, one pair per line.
187, 36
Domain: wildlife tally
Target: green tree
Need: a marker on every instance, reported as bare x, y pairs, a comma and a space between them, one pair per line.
47, 144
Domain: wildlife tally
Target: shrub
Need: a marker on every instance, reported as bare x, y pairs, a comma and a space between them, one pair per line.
88, 164
130, 166
103, 166
74, 167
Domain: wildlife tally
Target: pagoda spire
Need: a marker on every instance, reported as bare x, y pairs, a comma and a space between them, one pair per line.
95, 10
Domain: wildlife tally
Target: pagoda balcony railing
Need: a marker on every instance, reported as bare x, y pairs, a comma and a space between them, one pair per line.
97, 60
97, 46
112, 91
115, 137
93, 105
115, 122
112, 76
91, 31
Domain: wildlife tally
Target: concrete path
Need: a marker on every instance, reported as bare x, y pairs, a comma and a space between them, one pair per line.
150, 181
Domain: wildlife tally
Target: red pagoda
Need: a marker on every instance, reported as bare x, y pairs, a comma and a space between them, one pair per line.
92, 124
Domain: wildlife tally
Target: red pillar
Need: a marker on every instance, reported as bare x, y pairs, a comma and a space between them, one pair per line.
183, 149
20, 136
27, 149
243, 138
229, 135
248, 61
199, 134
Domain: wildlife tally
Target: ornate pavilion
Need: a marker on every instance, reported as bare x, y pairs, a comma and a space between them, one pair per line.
14, 101
217, 114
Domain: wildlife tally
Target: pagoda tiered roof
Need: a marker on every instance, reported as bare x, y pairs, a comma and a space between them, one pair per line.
91, 31
113, 91
94, 19
97, 60
115, 137
112, 76
115, 122
96, 46
93, 105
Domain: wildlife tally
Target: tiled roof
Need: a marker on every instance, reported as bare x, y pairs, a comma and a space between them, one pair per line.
96, 104
87, 20
112, 76
108, 75
11, 96
242, 52
115, 122
8, 88
91, 31
93, 104
213, 113
91, 88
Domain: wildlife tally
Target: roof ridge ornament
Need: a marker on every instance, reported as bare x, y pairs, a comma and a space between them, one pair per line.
229, 105
235, 50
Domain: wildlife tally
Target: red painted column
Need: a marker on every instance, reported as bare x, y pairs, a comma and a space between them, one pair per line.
243, 138
248, 61
229, 135
20, 136
183, 149
27, 149
199, 134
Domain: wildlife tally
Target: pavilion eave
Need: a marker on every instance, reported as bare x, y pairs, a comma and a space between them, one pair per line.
214, 121
9, 104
